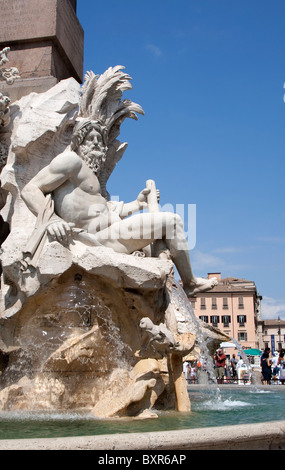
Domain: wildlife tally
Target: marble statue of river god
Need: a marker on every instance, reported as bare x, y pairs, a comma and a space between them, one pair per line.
75, 176
90, 314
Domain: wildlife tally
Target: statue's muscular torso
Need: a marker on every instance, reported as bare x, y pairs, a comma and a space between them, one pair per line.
77, 198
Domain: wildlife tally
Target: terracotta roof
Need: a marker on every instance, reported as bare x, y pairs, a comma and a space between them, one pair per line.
232, 284
273, 322
236, 280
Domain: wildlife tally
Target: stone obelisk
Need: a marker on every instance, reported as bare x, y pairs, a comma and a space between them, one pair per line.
46, 43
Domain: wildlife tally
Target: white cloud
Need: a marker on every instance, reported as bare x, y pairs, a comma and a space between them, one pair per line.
155, 50
271, 309
209, 263
205, 262
272, 239
228, 249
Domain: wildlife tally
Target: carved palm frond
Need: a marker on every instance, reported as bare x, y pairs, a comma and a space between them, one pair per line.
101, 100
87, 93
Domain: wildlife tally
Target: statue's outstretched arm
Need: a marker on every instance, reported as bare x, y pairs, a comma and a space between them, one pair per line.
135, 206
139, 204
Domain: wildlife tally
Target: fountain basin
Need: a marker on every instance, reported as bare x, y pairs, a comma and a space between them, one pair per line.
245, 417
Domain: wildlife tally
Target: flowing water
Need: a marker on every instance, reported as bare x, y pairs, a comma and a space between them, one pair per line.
252, 376
234, 406
180, 300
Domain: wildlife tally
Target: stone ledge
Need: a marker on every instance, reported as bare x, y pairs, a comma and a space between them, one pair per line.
126, 271
258, 436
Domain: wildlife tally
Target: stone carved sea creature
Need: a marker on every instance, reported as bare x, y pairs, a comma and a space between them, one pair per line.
160, 340
133, 393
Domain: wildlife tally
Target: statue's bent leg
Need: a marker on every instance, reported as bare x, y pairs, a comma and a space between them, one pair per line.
138, 231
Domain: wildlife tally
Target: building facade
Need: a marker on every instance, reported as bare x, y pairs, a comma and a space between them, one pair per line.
233, 306
272, 334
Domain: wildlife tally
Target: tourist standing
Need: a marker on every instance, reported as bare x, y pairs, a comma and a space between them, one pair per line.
193, 373
220, 363
266, 350
281, 364
188, 373
266, 368
234, 367
275, 366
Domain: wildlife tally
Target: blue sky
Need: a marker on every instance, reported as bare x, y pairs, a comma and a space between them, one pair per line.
209, 75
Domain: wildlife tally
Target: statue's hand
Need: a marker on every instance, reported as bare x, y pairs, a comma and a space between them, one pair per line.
142, 198
60, 230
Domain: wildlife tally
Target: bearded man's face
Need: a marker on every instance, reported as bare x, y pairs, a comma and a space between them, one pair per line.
92, 150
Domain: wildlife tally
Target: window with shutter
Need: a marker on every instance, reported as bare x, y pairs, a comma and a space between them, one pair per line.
215, 320
225, 303
226, 319
241, 319
240, 302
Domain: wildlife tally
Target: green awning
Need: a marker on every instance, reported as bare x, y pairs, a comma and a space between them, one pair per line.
252, 352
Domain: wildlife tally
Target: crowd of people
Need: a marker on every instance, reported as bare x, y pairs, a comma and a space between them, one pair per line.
225, 370
234, 370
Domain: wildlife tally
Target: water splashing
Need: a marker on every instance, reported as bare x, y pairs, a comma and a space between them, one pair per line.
252, 377
185, 308
64, 351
